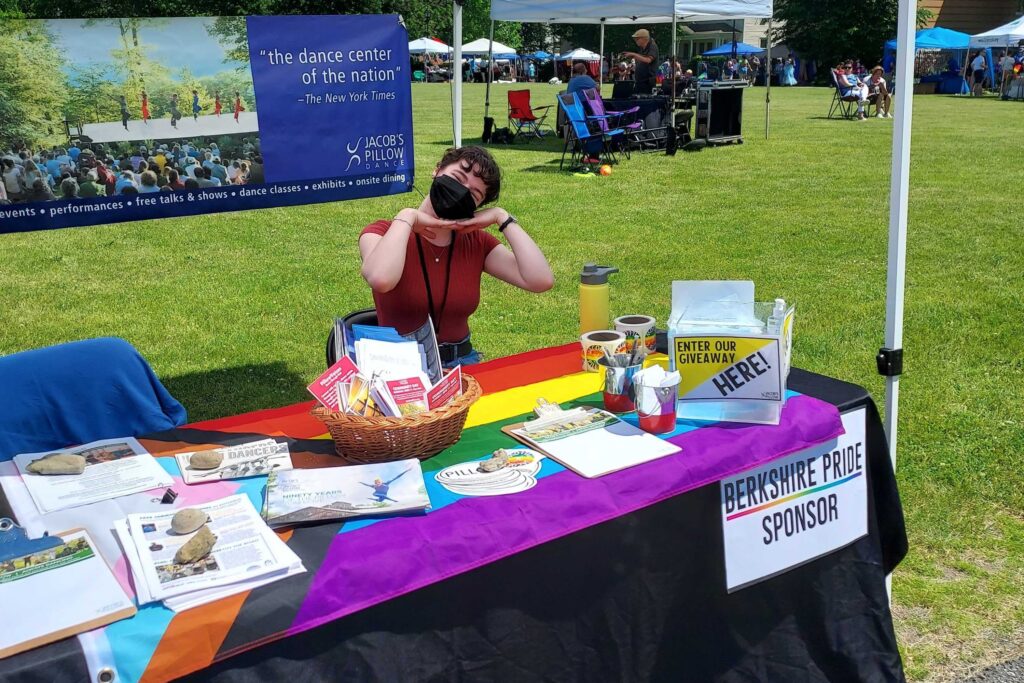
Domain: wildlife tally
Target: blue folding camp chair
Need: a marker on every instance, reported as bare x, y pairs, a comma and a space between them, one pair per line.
584, 134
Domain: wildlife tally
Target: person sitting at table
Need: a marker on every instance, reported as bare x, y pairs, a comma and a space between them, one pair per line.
644, 61
878, 91
851, 86
429, 260
580, 80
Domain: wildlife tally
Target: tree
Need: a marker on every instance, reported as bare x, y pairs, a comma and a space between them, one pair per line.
33, 90
233, 36
829, 31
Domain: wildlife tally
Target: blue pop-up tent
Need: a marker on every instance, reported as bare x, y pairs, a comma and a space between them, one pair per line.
938, 38
732, 48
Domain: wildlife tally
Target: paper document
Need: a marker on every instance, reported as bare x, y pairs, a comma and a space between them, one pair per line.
595, 444
114, 467
244, 460
55, 593
245, 549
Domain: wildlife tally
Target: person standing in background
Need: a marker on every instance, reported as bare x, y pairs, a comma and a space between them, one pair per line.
1006, 66
195, 105
216, 104
978, 65
145, 108
238, 105
645, 62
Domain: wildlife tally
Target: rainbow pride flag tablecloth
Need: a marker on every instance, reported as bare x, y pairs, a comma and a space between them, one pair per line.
358, 564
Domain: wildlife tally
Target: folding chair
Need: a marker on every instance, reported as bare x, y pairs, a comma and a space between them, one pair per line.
419, 76
521, 116
608, 119
841, 104
585, 142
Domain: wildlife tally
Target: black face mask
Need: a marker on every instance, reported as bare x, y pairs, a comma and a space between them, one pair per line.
451, 199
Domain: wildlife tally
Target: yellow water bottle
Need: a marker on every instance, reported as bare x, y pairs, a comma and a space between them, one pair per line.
594, 312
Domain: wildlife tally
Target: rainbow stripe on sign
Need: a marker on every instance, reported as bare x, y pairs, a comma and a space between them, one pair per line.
780, 501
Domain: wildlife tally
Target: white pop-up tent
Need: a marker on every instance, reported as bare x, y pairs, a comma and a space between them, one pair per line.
579, 55
483, 46
427, 46
608, 12
1007, 35
647, 11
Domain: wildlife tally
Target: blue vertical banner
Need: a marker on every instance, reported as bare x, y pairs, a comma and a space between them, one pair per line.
200, 115
334, 94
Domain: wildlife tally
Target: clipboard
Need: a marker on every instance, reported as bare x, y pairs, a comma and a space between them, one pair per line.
594, 463
15, 546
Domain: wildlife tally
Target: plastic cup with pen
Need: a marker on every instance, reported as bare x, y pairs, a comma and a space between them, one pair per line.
656, 392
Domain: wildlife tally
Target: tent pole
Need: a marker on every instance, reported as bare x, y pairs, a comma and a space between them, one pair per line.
672, 73
457, 68
768, 83
898, 194
490, 71
601, 63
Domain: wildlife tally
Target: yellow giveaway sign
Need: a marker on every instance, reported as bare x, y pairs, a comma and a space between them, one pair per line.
728, 367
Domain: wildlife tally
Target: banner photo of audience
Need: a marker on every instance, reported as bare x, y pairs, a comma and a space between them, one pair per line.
151, 118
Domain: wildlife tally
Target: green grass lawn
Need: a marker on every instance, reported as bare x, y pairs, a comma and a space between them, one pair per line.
232, 309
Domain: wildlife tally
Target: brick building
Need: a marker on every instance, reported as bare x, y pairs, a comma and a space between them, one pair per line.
972, 16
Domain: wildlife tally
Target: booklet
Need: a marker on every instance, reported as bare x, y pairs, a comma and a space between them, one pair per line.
51, 594
408, 395
332, 493
445, 391
424, 336
594, 443
324, 387
243, 460
113, 468
388, 359
245, 549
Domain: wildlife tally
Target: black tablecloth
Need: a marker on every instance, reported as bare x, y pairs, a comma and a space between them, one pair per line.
639, 598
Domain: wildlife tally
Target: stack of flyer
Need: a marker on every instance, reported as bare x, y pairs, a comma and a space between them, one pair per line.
390, 377
246, 554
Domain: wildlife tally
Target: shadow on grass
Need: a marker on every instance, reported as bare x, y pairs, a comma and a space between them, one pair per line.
230, 391
550, 167
552, 146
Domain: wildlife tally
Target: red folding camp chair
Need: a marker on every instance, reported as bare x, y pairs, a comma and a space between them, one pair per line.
522, 118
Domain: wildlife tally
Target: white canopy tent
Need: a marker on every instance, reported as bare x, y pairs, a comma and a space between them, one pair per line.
1008, 35
484, 46
607, 12
428, 46
579, 55
652, 11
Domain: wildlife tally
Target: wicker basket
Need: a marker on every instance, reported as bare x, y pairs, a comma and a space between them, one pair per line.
383, 439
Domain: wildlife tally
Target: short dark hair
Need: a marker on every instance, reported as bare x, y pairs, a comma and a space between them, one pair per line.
579, 68
479, 161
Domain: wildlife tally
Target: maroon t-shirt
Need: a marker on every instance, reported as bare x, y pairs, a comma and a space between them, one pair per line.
405, 307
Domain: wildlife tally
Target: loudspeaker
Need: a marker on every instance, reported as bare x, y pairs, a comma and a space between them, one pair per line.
488, 127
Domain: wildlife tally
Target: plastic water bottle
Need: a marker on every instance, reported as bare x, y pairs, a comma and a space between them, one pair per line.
594, 297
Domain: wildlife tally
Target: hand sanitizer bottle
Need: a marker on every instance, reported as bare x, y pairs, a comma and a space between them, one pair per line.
777, 317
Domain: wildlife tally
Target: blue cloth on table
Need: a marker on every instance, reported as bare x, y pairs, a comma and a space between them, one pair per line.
79, 392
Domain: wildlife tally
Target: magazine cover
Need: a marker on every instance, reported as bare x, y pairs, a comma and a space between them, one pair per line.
332, 493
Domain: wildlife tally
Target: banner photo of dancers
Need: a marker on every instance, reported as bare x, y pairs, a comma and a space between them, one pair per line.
132, 119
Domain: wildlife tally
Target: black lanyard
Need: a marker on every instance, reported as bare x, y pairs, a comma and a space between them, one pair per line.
447, 282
